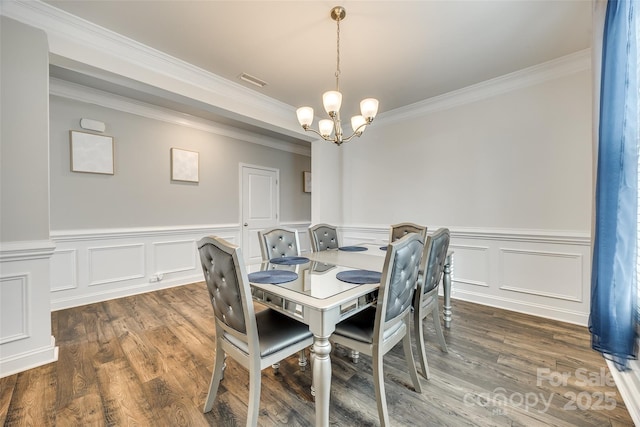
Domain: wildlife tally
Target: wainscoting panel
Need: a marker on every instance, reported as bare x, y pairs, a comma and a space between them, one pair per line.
540, 272
471, 264
64, 268
114, 263
108, 264
90, 266
549, 274
174, 257
25, 313
15, 309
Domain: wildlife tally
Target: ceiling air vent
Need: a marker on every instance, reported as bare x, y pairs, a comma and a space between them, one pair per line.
253, 80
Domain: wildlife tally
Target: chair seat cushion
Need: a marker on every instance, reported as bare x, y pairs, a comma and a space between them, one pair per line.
277, 331
360, 327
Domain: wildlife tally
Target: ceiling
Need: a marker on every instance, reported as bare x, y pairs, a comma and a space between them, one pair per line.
400, 52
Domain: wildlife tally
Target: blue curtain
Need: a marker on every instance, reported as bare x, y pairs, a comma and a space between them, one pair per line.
613, 281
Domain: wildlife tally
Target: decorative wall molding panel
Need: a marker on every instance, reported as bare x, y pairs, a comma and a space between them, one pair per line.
14, 318
540, 272
25, 315
90, 266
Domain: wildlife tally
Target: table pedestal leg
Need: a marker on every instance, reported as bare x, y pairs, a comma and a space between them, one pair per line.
446, 284
322, 378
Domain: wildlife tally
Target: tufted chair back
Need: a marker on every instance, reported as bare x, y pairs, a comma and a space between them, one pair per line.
400, 276
323, 237
279, 242
435, 254
223, 274
400, 230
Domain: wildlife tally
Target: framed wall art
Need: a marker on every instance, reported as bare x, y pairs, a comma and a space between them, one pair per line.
306, 182
91, 153
184, 165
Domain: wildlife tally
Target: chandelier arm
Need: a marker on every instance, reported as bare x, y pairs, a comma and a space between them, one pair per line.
354, 134
310, 129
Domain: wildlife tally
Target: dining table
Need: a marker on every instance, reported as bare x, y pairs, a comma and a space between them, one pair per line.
318, 295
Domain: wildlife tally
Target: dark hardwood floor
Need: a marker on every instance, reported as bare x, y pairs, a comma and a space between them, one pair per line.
146, 360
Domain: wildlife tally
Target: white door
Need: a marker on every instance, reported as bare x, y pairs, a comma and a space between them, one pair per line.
260, 205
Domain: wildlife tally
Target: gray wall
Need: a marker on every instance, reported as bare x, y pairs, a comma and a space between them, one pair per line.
24, 161
141, 193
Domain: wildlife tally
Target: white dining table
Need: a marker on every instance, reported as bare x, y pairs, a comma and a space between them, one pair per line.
319, 299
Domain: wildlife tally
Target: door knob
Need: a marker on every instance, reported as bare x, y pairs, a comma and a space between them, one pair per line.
246, 224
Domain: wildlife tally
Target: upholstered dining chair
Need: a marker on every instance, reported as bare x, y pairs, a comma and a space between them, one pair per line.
425, 300
323, 237
376, 330
278, 242
404, 228
255, 340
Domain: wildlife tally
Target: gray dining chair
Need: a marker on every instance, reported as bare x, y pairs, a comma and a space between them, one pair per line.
425, 300
278, 242
402, 229
255, 340
376, 330
323, 237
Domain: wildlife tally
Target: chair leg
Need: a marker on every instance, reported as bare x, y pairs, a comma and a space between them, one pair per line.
216, 376
254, 396
378, 384
438, 328
411, 363
419, 337
302, 360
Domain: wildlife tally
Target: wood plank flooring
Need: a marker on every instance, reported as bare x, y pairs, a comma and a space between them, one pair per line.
146, 360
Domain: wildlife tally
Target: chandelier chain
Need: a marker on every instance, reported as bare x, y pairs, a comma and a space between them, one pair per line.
338, 56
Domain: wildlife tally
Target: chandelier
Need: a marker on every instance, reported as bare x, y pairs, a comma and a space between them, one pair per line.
331, 129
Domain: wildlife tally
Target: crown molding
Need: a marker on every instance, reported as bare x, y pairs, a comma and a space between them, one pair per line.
74, 38
82, 41
564, 66
76, 92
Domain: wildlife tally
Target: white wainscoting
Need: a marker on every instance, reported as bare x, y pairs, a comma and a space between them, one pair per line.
544, 273
90, 266
25, 316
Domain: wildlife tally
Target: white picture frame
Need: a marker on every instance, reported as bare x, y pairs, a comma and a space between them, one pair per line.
91, 153
185, 165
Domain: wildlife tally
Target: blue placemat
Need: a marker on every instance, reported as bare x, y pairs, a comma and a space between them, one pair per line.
383, 248
352, 248
273, 277
359, 277
289, 260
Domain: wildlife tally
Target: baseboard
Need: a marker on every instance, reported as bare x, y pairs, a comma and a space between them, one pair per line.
628, 383
78, 300
29, 359
546, 311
